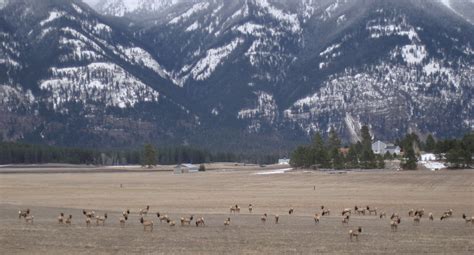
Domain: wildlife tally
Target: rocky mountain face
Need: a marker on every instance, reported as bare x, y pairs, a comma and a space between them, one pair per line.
234, 75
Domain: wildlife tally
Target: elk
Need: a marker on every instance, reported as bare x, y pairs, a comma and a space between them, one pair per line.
200, 221
264, 218
420, 213
227, 222
186, 220
346, 211
23, 213
250, 208
146, 224
316, 218
359, 210
68, 220
355, 233
61, 218
162, 217
126, 213
277, 218
325, 211
235, 209
171, 223
382, 215
101, 219
394, 225
123, 219
467, 219
345, 220
89, 214
374, 210
430, 216
411, 213
144, 211
291, 211
88, 221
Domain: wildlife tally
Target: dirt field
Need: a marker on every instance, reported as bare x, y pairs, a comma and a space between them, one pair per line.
210, 195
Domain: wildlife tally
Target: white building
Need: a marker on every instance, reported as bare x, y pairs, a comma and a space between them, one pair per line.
283, 161
185, 168
428, 157
381, 148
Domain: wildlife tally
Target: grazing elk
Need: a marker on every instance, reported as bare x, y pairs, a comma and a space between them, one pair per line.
316, 218
355, 233
144, 211
123, 219
185, 220
227, 222
100, 219
61, 218
89, 214
162, 217
23, 213
291, 211
382, 215
467, 219
347, 211
200, 222
371, 210
68, 221
146, 224
345, 221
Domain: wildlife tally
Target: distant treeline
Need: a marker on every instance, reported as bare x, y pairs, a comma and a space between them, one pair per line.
22, 153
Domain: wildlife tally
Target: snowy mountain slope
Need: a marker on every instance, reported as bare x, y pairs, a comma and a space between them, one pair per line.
259, 72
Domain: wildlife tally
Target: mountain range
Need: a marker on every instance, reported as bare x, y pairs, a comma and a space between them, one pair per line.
241, 75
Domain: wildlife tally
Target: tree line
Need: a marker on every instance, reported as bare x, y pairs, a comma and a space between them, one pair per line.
23, 153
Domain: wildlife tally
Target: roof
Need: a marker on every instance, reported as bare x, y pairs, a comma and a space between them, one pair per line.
186, 165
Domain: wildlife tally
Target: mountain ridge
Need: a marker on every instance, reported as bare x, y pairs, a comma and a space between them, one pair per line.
253, 73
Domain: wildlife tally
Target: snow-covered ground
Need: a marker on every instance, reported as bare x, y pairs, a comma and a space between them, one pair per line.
433, 165
278, 171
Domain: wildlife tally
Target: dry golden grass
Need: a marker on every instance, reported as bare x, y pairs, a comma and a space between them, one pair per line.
210, 195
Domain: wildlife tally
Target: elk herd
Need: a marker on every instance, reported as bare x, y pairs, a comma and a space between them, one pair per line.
346, 213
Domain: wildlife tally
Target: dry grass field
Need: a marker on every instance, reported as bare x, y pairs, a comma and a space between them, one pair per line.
210, 195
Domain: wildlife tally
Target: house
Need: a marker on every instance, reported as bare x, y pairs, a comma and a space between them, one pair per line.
428, 157
381, 148
185, 168
283, 161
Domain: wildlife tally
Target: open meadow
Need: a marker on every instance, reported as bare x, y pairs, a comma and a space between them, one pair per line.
210, 194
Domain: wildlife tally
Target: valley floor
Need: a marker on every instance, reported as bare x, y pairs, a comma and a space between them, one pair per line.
210, 194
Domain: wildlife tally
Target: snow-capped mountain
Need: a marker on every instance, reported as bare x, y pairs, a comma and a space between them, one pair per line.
256, 73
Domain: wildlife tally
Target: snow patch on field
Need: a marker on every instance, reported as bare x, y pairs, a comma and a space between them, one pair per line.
278, 171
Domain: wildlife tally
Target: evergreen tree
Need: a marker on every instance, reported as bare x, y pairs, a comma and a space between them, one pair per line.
352, 160
409, 161
430, 144
149, 156
367, 156
380, 162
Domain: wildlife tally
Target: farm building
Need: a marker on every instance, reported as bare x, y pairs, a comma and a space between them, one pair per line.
284, 161
185, 168
381, 148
